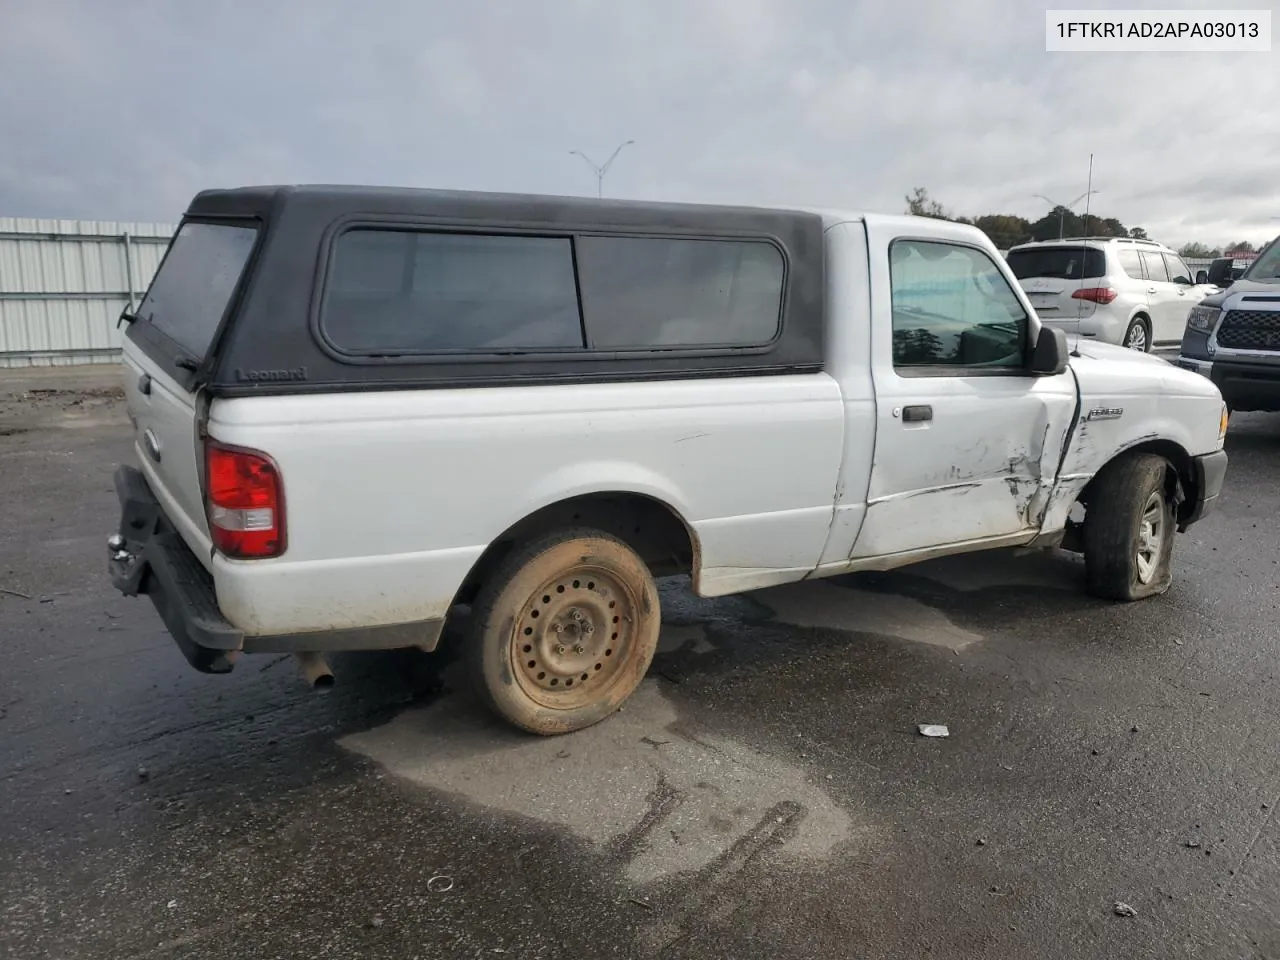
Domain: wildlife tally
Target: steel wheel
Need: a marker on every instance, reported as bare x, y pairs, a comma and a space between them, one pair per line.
1151, 534
574, 637
1136, 337
564, 631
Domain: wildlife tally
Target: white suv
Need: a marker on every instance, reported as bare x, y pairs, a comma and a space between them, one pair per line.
1136, 293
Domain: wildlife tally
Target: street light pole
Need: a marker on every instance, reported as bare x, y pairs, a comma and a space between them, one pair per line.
601, 170
1064, 207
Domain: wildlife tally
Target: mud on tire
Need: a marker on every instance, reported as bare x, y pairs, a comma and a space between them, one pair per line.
1129, 529
564, 631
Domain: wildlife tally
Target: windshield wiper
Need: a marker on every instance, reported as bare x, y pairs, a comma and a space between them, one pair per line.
186, 363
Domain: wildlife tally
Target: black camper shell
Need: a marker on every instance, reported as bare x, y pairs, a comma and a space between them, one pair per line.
277, 333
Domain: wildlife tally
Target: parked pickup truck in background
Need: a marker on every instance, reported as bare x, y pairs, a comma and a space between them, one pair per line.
1224, 271
1233, 337
359, 410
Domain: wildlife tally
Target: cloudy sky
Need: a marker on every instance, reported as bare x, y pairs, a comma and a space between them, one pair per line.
123, 109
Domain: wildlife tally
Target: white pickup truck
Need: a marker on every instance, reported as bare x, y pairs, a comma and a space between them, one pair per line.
361, 410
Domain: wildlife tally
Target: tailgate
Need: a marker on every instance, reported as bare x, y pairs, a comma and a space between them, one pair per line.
1052, 300
168, 343
167, 442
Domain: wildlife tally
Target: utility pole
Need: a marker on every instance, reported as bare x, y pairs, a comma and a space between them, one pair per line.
598, 169
1088, 196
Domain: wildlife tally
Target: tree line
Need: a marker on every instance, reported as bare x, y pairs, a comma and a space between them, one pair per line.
1008, 230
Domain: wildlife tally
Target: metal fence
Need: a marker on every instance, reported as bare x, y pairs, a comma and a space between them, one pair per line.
63, 284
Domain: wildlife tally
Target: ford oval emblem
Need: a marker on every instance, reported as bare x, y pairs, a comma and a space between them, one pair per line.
152, 443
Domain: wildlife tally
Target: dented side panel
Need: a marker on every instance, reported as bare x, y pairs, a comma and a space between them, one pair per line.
984, 467
1127, 402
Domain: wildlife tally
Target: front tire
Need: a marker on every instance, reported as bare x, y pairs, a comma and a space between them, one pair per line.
1129, 530
564, 631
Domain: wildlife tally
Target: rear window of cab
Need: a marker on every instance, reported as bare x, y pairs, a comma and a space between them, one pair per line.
392, 292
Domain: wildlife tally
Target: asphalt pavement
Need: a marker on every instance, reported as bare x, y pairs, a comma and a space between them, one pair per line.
766, 794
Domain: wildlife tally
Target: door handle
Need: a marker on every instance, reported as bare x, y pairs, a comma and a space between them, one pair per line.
144, 384
1151, 289
917, 414
151, 442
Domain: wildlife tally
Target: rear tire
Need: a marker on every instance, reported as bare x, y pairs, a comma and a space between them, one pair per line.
564, 631
1138, 335
1129, 530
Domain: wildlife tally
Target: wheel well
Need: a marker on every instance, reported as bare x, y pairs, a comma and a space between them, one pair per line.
1180, 478
650, 527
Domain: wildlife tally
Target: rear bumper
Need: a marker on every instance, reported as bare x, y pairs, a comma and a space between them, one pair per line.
155, 561
1209, 472
149, 558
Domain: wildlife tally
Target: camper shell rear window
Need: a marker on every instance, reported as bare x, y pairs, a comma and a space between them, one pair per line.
194, 286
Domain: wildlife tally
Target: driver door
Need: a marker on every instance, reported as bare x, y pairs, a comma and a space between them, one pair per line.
967, 440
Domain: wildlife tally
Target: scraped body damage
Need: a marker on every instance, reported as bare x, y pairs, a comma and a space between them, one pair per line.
1124, 407
984, 469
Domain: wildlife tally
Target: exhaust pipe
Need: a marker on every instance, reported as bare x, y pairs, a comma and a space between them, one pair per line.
315, 671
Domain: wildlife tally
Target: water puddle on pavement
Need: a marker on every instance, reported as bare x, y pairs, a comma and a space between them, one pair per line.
827, 606
661, 801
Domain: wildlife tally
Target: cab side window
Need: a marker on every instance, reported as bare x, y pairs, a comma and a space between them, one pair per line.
953, 310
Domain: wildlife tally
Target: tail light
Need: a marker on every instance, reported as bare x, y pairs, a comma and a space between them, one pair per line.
1095, 294
245, 502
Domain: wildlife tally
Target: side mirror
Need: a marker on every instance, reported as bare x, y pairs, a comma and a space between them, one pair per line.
1050, 353
1202, 276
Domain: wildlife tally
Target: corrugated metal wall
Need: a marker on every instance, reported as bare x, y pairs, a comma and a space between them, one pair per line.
63, 284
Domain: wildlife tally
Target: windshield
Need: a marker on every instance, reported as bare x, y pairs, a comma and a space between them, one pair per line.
195, 282
1266, 269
